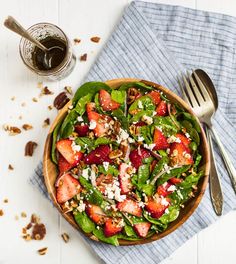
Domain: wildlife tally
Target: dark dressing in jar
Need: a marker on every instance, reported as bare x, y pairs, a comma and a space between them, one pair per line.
54, 57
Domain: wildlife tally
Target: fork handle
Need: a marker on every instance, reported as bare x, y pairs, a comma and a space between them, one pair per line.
228, 164
214, 181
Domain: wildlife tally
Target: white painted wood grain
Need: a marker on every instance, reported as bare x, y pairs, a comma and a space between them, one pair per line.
82, 19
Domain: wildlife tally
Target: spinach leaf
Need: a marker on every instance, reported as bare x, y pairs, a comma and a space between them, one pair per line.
191, 180
147, 133
81, 104
129, 231
145, 101
119, 114
89, 87
171, 215
110, 240
148, 189
191, 119
159, 167
85, 143
166, 124
197, 161
141, 113
139, 85
54, 141
92, 195
111, 170
102, 141
67, 126
143, 174
118, 96
173, 173
84, 222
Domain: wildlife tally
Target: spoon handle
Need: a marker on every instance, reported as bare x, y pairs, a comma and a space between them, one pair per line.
14, 26
229, 166
214, 181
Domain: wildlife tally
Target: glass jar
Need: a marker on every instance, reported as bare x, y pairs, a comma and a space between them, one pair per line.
42, 31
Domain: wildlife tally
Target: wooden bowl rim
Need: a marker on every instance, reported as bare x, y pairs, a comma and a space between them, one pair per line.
69, 217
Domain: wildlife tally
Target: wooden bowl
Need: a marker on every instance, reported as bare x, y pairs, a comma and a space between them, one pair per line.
50, 170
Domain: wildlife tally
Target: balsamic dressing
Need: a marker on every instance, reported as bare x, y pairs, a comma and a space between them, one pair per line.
50, 60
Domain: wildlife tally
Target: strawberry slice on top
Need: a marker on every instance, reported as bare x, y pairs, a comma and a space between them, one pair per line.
155, 96
157, 205
186, 141
112, 227
160, 140
130, 206
162, 108
137, 155
82, 130
106, 102
142, 228
65, 148
98, 155
63, 164
180, 154
124, 179
67, 188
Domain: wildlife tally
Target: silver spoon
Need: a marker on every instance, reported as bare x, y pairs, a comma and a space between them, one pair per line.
14, 26
212, 92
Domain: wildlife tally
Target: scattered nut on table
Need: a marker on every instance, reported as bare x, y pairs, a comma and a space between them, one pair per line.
29, 148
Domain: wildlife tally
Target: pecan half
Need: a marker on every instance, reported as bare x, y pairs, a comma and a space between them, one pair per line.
46, 91
29, 148
12, 130
10, 167
95, 39
77, 41
65, 237
131, 95
46, 122
27, 127
61, 100
42, 251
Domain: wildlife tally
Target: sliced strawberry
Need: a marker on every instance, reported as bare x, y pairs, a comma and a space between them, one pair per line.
96, 214
142, 228
67, 188
160, 140
124, 179
162, 109
63, 164
186, 141
102, 180
137, 155
101, 121
82, 130
156, 97
140, 123
64, 146
175, 180
90, 107
130, 206
106, 102
98, 155
180, 154
156, 206
112, 226
164, 189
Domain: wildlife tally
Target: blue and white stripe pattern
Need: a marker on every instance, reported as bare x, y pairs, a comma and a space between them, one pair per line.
156, 42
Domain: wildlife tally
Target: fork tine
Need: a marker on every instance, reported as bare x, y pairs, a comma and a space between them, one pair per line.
191, 96
202, 87
197, 93
185, 97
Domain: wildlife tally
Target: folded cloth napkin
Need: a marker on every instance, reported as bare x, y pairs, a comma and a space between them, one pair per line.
156, 42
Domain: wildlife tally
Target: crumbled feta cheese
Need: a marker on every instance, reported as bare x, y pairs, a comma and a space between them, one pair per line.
86, 173
173, 139
92, 124
123, 135
141, 204
75, 148
187, 135
164, 201
98, 227
154, 113
106, 125
172, 188
140, 105
81, 206
150, 146
70, 107
187, 155
80, 119
147, 119
159, 128
167, 168
167, 211
113, 192
131, 140
140, 139
105, 165
168, 151
93, 178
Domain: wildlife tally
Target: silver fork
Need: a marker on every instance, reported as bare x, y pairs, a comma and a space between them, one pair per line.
203, 107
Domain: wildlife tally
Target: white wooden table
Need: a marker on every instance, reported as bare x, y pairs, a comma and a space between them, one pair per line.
82, 19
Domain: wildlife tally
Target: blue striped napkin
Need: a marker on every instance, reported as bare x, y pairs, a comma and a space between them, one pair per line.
156, 42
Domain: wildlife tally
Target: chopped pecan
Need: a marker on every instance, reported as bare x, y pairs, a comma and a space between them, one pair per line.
10, 167
34, 219
27, 127
95, 39
42, 251
38, 232
27, 237
29, 148
83, 57
28, 226
23, 214
46, 91
34, 99
12, 130
5, 200
77, 41
13, 98
68, 89
115, 154
61, 100
46, 122
65, 237
131, 95
1, 212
